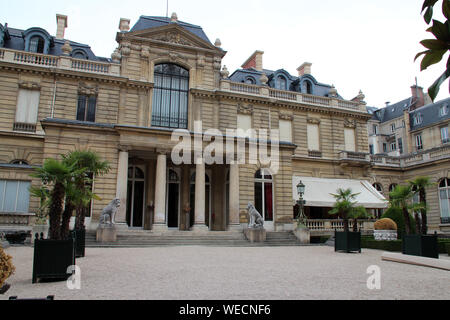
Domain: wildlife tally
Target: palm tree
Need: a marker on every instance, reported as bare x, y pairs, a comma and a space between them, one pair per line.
89, 165
357, 213
419, 184
56, 173
345, 204
400, 198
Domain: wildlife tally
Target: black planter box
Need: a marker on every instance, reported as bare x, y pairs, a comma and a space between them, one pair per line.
80, 242
420, 245
52, 258
347, 241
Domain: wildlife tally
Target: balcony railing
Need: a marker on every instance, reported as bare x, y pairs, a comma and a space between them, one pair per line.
327, 226
265, 91
27, 127
15, 219
63, 62
315, 154
439, 153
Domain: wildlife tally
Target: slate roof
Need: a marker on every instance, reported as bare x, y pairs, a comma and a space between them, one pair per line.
393, 111
430, 114
17, 42
146, 22
319, 89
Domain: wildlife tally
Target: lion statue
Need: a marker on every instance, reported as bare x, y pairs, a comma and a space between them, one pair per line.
255, 218
109, 211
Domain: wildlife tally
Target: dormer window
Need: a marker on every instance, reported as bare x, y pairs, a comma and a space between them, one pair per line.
250, 80
79, 54
307, 87
443, 110
418, 118
37, 44
281, 83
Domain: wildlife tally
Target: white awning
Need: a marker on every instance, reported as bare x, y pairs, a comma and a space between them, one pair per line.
318, 192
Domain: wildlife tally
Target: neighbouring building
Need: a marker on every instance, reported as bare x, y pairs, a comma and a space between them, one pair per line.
56, 95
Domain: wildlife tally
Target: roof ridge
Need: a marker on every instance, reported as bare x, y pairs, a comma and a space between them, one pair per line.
165, 19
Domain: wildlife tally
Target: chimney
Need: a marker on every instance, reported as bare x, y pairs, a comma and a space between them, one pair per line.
305, 68
255, 61
418, 97
124, 25
61, 25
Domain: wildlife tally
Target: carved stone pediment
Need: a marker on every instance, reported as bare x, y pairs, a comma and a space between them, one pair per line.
286, 116
171, 34
87, 90
29, 85
245, 109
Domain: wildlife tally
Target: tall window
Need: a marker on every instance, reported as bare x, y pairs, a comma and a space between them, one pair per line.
86, 108
384, 147
393, 127
170, 96
286, 130
27, 110
393, 146
37, 44
375, 129
419, 145
14, 196
444, 200
264, 194
400, 145
444, 135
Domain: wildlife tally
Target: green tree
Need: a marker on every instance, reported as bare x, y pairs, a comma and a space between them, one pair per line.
356, 213
419, 185
344, 206
438, 47
54, 175
89, 165
401, 197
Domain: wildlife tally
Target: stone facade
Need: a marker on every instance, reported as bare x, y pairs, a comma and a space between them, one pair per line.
143, 175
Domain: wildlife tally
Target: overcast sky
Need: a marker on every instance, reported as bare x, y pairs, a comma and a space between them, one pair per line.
353, 44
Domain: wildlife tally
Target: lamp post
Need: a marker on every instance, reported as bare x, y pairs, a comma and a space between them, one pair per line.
301, 203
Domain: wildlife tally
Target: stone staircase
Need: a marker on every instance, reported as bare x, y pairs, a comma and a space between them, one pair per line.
139, 238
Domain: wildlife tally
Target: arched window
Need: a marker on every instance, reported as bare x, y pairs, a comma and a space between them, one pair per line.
307, 87
392, 187
20, 162
264, 194
444, 200
281, 83
378, 187
37, 44
170, 96
250, 80
79, 54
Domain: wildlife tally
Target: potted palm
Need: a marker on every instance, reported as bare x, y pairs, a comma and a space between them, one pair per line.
420, 243
88, 165
345, 207
40, 222
54, 255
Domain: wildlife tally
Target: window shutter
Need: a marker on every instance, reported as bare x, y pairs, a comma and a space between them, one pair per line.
349, 135
27, 106
313, 137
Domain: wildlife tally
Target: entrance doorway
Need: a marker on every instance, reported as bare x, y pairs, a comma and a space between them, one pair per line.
173, 199
264, 196
135, 197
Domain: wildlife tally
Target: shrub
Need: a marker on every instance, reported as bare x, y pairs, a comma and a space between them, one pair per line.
396, 214
6, 267
385, 224
371, 243
444, 246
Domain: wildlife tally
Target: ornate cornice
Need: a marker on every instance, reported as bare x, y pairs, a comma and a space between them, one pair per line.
29, 85
286, 116
313, 120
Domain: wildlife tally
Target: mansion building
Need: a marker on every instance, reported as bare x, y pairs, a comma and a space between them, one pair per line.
56, 96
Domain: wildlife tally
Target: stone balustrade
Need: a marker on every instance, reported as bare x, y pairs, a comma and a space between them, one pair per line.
62, 62
328, 226
265, 91
355, 156
439, 153
16, 219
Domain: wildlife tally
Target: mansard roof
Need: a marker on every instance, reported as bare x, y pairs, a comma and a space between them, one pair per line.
393, 111
146, 22
16, 41
430, 114
294, 83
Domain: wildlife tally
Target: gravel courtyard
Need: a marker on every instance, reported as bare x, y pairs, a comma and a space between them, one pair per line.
205, 273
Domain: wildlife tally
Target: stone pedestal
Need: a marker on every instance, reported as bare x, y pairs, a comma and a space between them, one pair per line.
106, 233
387, 235
303, 234
255, 234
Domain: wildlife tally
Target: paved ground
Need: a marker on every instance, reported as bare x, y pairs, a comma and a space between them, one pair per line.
204, 273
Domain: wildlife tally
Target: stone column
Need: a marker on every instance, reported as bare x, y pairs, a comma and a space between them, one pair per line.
160, 192
121, 186
199, 223
185, 196
234, 198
